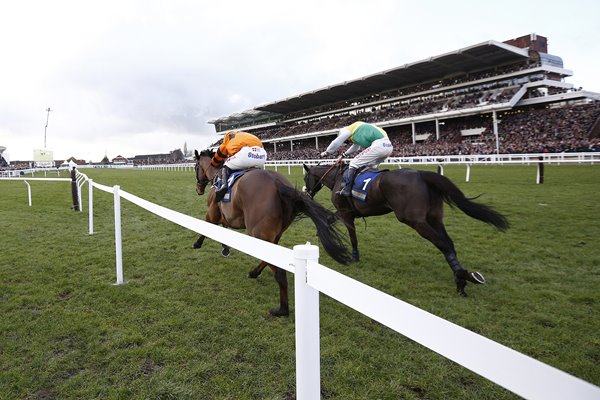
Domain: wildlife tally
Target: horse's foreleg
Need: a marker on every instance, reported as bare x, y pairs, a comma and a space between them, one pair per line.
213, 215
256, 271
199, 242
225, 250
349, 222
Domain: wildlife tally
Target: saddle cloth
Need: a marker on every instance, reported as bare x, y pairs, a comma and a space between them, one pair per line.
362, 182
230, 181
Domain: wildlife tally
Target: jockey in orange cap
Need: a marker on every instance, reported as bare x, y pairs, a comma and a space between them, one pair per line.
239, 150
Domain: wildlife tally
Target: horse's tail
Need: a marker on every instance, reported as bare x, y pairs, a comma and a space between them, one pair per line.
331, 238
453, 196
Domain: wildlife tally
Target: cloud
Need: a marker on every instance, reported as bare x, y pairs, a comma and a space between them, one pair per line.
138, 77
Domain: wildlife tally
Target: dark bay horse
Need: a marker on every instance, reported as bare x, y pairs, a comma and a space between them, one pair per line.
416, 198
265, 204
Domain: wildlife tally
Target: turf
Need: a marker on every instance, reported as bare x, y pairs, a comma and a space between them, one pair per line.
189, 324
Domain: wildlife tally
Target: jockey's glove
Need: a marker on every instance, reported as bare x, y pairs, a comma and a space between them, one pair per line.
324, 154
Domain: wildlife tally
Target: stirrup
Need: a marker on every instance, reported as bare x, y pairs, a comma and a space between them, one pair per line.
220, 192
344, 192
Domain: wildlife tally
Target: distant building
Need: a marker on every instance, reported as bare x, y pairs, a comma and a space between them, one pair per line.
70, 160
120, 160
174, 156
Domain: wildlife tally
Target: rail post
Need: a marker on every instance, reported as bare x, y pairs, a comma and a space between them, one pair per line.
118, 245
28, 192
540, 172
308, 367
74, 190
91, 206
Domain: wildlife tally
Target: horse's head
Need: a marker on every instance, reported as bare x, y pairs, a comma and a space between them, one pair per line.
312, 181
204, 170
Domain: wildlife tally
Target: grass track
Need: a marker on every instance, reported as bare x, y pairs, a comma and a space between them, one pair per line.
189, 324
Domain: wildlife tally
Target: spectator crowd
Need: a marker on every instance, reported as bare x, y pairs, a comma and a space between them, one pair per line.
551, 130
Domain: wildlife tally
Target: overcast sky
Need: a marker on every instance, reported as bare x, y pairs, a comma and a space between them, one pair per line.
140, 77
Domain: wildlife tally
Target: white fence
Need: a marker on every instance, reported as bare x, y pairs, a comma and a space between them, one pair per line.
538, 159
514, 371
26, 181
510, 369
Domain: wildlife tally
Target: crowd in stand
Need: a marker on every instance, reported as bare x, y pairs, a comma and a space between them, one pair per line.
423, 105
555, 130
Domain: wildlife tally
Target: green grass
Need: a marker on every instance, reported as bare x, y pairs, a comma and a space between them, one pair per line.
189, 324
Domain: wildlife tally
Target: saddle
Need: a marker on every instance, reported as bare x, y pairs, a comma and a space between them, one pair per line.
363, 180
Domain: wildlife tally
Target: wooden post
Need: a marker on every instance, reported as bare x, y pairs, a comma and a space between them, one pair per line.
74, 191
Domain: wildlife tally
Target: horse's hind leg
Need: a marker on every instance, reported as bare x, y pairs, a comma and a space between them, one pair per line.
461, 274
439, 237
281, 278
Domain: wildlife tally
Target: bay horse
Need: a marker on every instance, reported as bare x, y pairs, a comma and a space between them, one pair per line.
416, 198
265, 203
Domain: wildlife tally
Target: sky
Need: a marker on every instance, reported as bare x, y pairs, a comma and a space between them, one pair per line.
141, 77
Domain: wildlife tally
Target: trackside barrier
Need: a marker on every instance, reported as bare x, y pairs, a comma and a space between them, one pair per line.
540, 159
508, 368
37, 179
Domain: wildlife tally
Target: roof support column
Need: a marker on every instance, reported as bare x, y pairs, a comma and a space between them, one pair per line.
316, 143
291, 145
495, 123
413, 133
437, 129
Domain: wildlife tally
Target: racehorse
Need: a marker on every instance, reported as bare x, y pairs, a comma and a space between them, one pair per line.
265, 204
416, 198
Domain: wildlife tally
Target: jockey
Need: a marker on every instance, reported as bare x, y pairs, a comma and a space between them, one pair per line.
372, 140
239, 150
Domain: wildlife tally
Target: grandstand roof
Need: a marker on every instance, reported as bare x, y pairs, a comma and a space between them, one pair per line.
468, 59
473, 58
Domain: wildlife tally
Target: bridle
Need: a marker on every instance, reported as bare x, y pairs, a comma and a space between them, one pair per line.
201, 182
337, 163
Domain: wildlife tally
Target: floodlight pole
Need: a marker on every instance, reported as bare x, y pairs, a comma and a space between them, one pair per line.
46, 127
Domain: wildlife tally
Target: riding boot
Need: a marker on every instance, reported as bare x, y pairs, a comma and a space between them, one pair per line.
347, 189
225, 171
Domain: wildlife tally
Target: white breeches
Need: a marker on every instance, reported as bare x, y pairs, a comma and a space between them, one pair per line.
247, 157
373, 155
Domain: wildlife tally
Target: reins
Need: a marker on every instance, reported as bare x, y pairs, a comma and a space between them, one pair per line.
335, 164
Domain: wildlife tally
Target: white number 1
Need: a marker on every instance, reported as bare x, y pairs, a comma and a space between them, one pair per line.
366, 183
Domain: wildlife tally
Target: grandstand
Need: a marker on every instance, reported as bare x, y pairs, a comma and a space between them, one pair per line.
492, 97
3, 160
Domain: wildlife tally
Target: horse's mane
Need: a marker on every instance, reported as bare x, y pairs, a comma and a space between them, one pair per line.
207, 152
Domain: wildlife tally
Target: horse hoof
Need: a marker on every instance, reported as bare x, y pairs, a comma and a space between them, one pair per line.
196, 246
477, 278
279, 313
252, 275
225, 252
